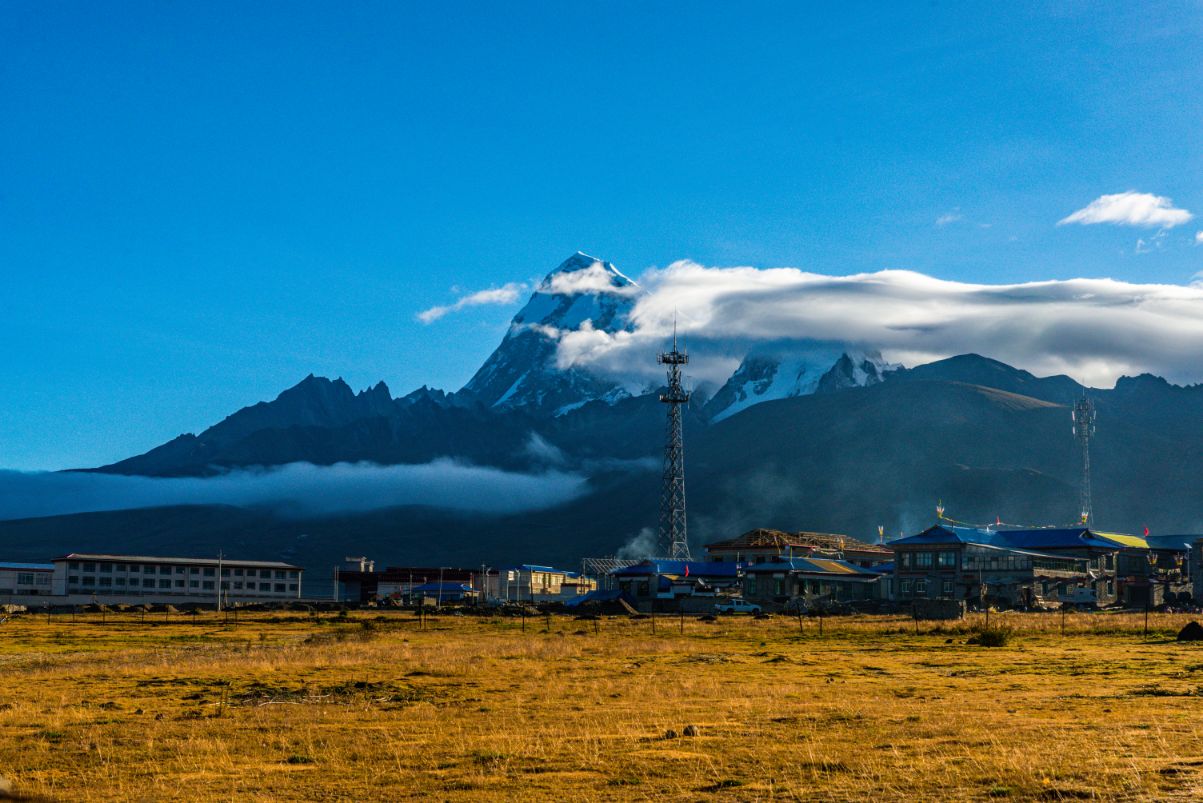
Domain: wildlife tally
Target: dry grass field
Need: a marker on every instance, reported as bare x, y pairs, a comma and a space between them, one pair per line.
370, 707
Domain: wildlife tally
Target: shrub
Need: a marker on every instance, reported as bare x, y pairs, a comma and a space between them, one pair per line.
991, 637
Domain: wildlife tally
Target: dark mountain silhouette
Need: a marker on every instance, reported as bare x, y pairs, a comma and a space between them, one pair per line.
958, 430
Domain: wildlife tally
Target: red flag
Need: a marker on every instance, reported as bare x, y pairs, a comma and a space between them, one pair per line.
998, 519
687, 565
1146, 531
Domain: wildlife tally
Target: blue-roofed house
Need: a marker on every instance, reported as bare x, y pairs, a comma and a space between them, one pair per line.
1012, 567
26, 578
672, 585
778, 583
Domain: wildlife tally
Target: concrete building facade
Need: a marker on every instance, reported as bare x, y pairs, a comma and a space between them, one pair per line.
164, 579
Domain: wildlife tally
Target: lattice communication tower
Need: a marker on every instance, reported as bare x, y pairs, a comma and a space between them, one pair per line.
672, 493
1083, 418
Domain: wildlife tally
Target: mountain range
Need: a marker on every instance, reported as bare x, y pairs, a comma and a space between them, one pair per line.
802, 435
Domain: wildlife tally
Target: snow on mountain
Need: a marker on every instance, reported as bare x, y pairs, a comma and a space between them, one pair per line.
795, 370
522, 371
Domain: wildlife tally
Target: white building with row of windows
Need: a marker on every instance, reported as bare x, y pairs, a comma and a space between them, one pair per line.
162, 579
31, 579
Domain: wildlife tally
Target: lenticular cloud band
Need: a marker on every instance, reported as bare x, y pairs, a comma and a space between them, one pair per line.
1094, 330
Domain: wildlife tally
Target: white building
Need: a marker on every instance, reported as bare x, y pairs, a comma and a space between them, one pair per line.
175, 579
33, 579
528, 583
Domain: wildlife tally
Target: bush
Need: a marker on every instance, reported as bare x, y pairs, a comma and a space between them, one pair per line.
991, 637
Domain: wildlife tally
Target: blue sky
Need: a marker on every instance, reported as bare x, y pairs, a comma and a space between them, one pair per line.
201, 203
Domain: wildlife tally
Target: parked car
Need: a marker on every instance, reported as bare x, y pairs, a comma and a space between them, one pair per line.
737, 606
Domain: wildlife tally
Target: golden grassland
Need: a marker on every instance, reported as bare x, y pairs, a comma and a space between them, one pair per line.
370, 707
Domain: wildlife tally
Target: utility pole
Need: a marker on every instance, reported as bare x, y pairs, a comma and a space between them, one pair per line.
673, 535
439, 604
218, 583
1083, 418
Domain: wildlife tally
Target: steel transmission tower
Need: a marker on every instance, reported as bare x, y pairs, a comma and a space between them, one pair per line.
672, 493
1083, 417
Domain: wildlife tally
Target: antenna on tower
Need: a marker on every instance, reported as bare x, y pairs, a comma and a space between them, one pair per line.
673, 536
1083, 418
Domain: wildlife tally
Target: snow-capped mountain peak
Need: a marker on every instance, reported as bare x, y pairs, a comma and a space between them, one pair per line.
795, 370
522, 372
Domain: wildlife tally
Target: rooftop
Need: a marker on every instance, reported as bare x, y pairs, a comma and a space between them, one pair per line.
28, 567
812, 566
1034, 539
256, 564
764, 538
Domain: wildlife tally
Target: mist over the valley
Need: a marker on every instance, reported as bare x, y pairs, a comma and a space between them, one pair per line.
296, 489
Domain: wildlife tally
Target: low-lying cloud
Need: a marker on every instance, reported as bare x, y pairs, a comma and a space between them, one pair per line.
506, 294
1094, 330
297, 489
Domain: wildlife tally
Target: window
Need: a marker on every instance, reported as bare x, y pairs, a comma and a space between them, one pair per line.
73, 565
905, 559
265, 586
106, 581
920, 586
265, 573
148, 569
238, 572
750, 585
237, 585
194, 570
225, 572
210, 571
194, 583
181, 570
208, 585
106, 568
120, 581
292, 586
122, 567
280, 576
778, 587
923, 560
133, 567
89, 581
279, 588
905, 586
165, 583
25, 578
225, 585
947, 559
148, 582
43, 579
73, 578
948, 588
180, 582
292, 575
89, 567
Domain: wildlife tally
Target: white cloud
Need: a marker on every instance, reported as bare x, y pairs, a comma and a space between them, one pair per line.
294, 489
507, 294
594, 279
949, 217
1199, 238
1092, 329
1130, 209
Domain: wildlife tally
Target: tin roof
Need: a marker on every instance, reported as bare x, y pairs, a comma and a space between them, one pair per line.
28, 567
1035, 540
812, 566
697, 568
